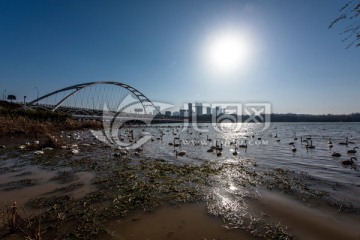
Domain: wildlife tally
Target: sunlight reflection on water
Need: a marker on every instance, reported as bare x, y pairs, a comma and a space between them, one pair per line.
268, 151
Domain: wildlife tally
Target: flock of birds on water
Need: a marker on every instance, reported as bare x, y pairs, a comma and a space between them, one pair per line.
216, 148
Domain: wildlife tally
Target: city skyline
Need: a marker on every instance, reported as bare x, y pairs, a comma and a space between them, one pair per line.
168, 51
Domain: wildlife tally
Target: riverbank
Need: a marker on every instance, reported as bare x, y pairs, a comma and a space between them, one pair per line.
15, 120
97, 192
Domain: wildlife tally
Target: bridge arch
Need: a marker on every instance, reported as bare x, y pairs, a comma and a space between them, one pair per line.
70, 92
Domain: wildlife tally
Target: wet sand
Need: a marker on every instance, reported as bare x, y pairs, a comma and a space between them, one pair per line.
186, 222
191, 221
308, 223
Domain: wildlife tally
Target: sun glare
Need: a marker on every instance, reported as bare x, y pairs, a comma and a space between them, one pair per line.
227, 53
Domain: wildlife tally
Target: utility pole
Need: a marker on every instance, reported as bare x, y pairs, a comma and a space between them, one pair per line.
24, 101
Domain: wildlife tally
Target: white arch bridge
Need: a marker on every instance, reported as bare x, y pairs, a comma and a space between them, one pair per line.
93, 98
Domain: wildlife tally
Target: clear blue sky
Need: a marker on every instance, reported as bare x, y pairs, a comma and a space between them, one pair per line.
297, 64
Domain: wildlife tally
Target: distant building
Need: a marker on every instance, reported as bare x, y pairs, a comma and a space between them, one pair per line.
190, 111
168, 113
176, 114
182, 112
217, 110
198, 109
208, 110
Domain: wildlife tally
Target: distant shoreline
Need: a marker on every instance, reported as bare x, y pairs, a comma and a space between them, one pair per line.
354, 117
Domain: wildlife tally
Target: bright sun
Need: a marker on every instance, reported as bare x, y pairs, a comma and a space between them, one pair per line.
227, 53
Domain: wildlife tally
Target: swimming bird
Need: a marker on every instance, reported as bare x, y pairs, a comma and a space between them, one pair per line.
210, 150
330, 144
218, 153
220, 148
177, 144
344, 143
352, 150
335, 154
180, 153
235, 152
291, 143
293, 149
309, 145
349, 161
243, 145
207, 138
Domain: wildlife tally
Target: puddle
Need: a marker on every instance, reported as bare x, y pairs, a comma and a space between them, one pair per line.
306, 222
190, 221
14, 186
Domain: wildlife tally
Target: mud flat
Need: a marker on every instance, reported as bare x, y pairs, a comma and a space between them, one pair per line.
100, 193
188, 221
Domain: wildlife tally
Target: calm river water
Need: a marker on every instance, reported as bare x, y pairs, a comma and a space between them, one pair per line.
271, 151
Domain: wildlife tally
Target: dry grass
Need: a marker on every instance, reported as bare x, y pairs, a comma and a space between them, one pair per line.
39, 123
14, 221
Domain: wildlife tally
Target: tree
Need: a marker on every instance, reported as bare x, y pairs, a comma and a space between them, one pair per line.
350, 12
11, 97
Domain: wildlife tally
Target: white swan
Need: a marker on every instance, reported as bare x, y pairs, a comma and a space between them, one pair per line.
39, 152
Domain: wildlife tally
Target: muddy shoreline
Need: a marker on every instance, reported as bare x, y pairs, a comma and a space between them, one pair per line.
94, 194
